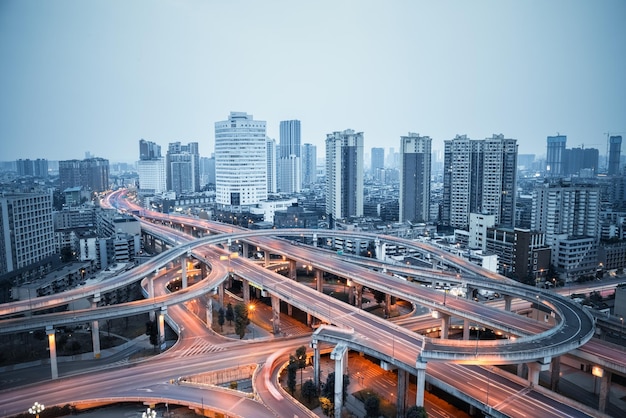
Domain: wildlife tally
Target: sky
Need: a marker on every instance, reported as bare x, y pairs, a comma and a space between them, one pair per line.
98, 76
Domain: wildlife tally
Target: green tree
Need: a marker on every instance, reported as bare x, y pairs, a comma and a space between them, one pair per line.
230, 314
372, 405
416, 412
151, 331
241, 319
308, 390
329, 387
301, 359
291, 375
221, 318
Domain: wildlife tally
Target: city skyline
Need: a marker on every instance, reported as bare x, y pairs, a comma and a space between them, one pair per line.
100, 76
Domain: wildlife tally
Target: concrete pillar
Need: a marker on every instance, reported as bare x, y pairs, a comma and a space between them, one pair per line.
245, 249
245, 286
52, 345
522, 370
292, 270
151, 291
266, 261
507, 302
289, 309
319, 280
605, 390
275, 314
534, 368
308, 319
340, 355
555, 374
220, 294
359, 296
403, 387
95, 328
470, 292
351, 295
162, 327
315, 240
380, 249
183, 268
209, 313
387, 304
316, 365
466, 329
420, 380
445, 324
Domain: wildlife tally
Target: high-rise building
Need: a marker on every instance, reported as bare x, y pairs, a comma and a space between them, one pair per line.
615, 148
555, 156
26, 230
182, 166
344, 174
575, 160
240, 160
148, 150
207, 170
289, 162
309, 165
24, 167
480, 177
92, 174
378, 160
272, 156
415, 154
40, 166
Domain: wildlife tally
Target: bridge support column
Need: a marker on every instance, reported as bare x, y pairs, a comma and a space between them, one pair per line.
507, 302
245, 249
466, 329
292, 270
308, 319
315, 240
266, 258
340, 355
445, 325
420, 383
319, 280
358, 288
275, 314
220, 294
555, 374
605, 390
534, 368
209, 313
162, 327
183, 268
151, 291
380, 249
469, 294
387, 304
316, 365
95, 328
52, 345
245, 286
403, 386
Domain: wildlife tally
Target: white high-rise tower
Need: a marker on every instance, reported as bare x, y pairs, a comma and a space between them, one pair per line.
240, 160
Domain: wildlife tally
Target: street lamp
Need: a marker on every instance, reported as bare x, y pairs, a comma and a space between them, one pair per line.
150, 413
251, 309
36, 409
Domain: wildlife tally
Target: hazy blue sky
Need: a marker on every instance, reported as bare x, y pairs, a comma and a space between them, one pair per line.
98, 76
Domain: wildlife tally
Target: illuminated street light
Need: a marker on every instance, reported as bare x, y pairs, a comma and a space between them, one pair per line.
36, 409
251, 309
150, 413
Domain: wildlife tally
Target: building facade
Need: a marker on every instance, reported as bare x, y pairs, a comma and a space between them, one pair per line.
555, 156
91, 173
240, 160
289, 160
615, 150
182, 166
309, 165
415, 154
344, 174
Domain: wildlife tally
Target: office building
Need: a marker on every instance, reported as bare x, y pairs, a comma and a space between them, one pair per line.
35, 168
555, 156
240, 160
378, 160
579, 160
207, 170
344, 174
26, 230
91, 173
309, 165
480, 177
615, 148
272, 170
182, 167
289, 162
152, 177
415, 154
149, 150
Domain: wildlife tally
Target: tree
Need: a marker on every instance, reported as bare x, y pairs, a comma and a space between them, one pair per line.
241, 319
230, 314
151, 331
301, 359
291, 374
329, 387
221, 318
416, 412
308, 390
372, 405
328, 407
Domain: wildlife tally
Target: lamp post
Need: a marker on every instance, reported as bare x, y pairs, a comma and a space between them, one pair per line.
149, 413
251, 309
36, 409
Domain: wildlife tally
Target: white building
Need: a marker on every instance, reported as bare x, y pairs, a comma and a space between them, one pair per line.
344, 174
268, 208
240, 161
152, 179
478, 230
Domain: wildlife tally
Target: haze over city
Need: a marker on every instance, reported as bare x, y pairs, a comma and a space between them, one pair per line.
99, 76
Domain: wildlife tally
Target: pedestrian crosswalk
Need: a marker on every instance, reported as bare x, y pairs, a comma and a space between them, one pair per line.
199, 346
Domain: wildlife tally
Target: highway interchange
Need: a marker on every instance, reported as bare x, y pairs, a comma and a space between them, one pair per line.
509, 396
